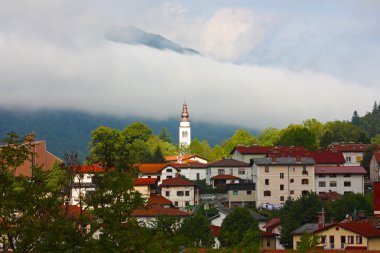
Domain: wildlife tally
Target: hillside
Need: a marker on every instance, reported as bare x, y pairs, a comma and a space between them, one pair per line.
70, 130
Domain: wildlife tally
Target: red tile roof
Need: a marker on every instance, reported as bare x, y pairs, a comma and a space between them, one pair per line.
158, 199
228, 163
215, 230
320, 156
222, 176
157, 210
361, 228
193, 165
177, 181
274, 222
268, 234
95, 168
331, 196
339, 170
152, 168
252, 149
350, 147
146, 181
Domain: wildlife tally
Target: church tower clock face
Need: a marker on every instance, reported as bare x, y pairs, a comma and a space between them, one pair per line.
184, 128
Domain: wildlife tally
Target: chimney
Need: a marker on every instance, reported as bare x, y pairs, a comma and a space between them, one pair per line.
321, 218
376, 196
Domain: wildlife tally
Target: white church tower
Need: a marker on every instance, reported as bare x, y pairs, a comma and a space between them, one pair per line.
184, 128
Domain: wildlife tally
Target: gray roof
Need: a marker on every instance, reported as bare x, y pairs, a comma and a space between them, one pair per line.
255, 215
306, 228
284, 161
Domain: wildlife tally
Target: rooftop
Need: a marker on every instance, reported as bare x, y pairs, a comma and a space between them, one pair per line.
244, 186
157, 210
340, 170
350, 147
146, 181
228, 163
177, 181
283, 161
157, 199
152, 168
224, 177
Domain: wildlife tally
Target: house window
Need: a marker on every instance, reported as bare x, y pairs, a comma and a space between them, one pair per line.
347, 175
323, 239
249, 192
169, 170
198, 177
169, 176
281, 175
266, 168
235, 193
322, 184
347, 183
241, 172
187, 193
184, 134
179, 193
220, 171
304, 171
268, 243
291, 192
331, 237
167, 193
305, 193
148, 176
305, 181
282, 198
358, 239
267, 193
231, 171
266, 181
187, 203
322, 175
158, 177
350, 239
348, 158
332, 175
294, 169
281, 187
291, 180
332, 183
176, 203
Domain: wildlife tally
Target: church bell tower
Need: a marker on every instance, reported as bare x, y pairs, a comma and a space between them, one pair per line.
184, 128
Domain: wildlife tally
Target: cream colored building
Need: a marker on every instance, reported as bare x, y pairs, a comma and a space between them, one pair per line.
180, 191
241, 195
279, 178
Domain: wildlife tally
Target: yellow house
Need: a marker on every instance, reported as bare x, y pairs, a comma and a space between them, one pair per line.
349, 236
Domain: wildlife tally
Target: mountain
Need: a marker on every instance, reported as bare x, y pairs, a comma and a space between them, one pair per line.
134, 35
66, 130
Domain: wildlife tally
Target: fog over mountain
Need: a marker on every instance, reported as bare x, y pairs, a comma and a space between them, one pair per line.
135, 36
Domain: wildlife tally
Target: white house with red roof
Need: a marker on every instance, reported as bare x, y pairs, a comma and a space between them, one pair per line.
160, 171
352, 152
180, 191
274, 226
340, 179
227, 171
158, 205
193, 170
374, 166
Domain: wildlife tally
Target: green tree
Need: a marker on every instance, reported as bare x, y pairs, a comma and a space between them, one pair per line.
197, 230
308, 205
250, 241
216, 153
201, 148
269, 136
157, 156
367, 156
342, 131
316, 127
308, 242
349, 204
298, 135
376, 139
235, 225
165, 135
240, 137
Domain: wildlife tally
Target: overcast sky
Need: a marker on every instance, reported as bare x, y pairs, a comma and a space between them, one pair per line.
262, 63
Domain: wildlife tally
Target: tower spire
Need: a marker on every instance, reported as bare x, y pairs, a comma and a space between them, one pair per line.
184, 127
185, 113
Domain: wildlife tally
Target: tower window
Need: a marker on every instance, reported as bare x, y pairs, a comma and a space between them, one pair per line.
184, 134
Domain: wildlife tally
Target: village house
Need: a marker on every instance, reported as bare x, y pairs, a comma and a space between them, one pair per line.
279, 178
193, 171
40, 157
273, 226
146, 186
243, 194
340, 179
160, 171
352, 152
245, 154
182, 192
226, 171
